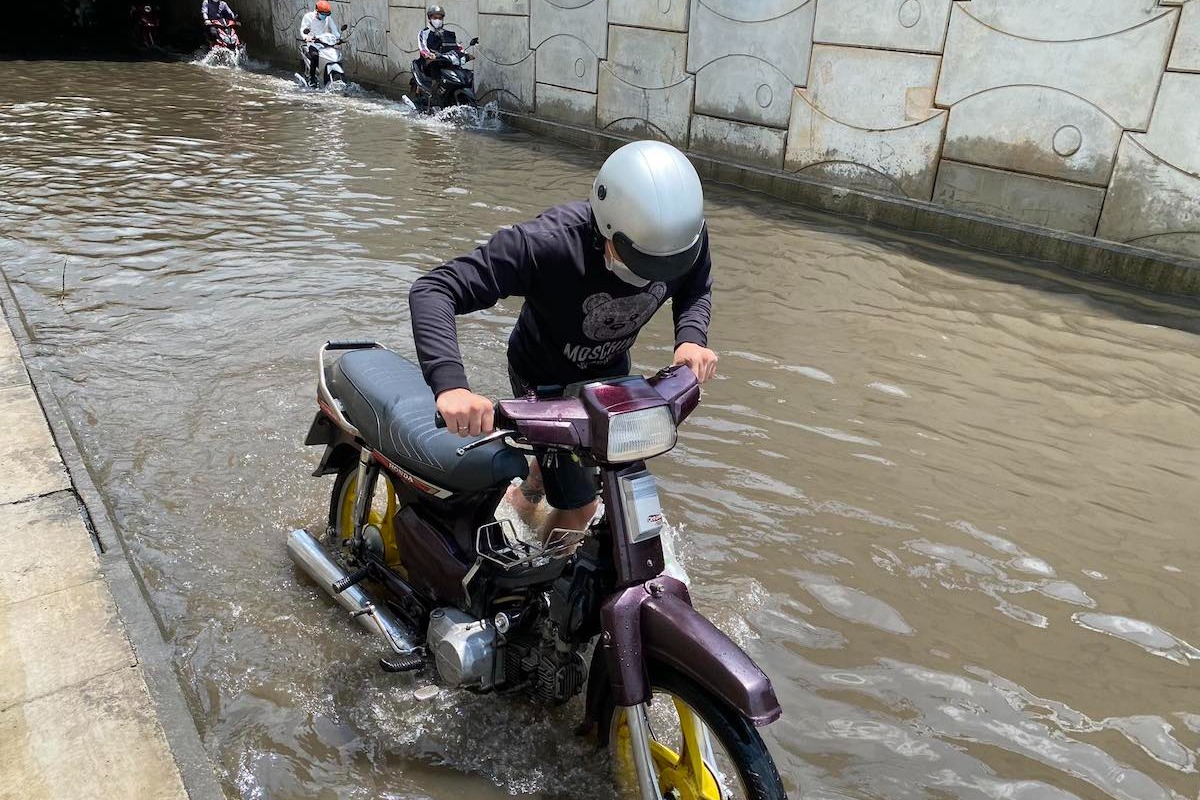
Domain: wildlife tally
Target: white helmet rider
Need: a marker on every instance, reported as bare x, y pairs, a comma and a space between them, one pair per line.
647, 201
436, 24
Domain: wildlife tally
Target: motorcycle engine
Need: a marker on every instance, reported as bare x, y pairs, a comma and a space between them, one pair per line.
552, 675
464, 648
506, 654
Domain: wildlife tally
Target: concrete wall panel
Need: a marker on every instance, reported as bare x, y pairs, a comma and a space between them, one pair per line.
511, 85
370, 67
462, 17
872, 88
1064, 20
747, 57
915, 25
745, 88
285, 20
1022, 198
403, 25
1034, 129
1152, 204
504, 7
647, 58
370, 18
783, 39
756, 11
503, 39
901, 161
1174, 134
738, 141
1185, 55
586, 20
979, 58
568, 62
566, 105
654, 113
667, 15
504, 71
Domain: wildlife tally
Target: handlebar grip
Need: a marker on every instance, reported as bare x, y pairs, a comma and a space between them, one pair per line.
349, 344
438, 420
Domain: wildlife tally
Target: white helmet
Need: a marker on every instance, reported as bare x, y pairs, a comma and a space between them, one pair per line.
647, 199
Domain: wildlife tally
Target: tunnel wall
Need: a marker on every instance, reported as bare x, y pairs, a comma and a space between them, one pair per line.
1076, 117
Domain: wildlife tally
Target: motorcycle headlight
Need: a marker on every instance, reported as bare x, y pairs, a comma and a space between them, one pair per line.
637, 435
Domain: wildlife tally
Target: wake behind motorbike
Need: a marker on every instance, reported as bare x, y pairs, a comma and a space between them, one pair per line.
329, 61
414, 550
444, 82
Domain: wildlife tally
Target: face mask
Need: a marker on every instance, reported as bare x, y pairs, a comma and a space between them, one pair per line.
616, 267
436, 24
322, 15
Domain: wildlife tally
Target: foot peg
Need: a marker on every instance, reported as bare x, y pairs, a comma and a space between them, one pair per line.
407, 662
358, 576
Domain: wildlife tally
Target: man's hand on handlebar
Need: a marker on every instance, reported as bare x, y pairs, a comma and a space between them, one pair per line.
466, 413
702, 361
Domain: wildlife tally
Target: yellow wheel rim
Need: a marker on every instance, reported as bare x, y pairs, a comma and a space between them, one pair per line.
683, 773
381, 514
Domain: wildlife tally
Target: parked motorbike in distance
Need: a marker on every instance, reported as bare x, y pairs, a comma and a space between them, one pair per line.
412, 517
145, 26
444, 82
329, 62
227, 38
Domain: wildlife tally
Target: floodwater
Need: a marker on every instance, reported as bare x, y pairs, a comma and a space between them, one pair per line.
949, 502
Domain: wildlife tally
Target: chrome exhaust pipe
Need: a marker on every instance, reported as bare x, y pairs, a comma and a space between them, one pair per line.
314, 559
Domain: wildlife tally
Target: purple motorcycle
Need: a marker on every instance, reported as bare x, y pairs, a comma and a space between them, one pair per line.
412, 516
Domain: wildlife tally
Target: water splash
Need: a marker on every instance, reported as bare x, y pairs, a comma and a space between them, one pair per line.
221, 57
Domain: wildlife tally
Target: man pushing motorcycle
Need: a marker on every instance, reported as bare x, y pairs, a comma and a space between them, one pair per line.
592, 273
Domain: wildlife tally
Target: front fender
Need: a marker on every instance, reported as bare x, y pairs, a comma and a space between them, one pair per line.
655, 621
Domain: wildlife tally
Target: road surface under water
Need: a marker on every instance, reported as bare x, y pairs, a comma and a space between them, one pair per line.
949, 502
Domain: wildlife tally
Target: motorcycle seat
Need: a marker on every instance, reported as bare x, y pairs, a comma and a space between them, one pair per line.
384, 395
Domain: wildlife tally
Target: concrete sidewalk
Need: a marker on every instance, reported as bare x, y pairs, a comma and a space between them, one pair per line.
80, 715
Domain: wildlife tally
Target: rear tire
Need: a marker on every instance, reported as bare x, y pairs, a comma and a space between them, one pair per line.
381, 512
744, 752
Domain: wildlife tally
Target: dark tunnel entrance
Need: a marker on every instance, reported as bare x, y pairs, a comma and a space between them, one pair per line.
87, 28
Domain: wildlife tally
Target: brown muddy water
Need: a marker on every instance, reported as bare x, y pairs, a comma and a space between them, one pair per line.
949, 502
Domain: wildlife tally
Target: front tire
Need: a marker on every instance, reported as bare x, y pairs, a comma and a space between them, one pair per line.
737, 765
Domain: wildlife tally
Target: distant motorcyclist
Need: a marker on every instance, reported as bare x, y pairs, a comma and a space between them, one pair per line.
216, 13
434, 40
315, 24
144, 17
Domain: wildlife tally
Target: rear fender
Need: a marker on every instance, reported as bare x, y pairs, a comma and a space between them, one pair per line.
655, 621
341, 449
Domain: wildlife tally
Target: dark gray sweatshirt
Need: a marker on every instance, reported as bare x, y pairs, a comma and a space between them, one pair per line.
578, 320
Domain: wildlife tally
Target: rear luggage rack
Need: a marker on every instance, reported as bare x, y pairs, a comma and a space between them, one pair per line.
327, 400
